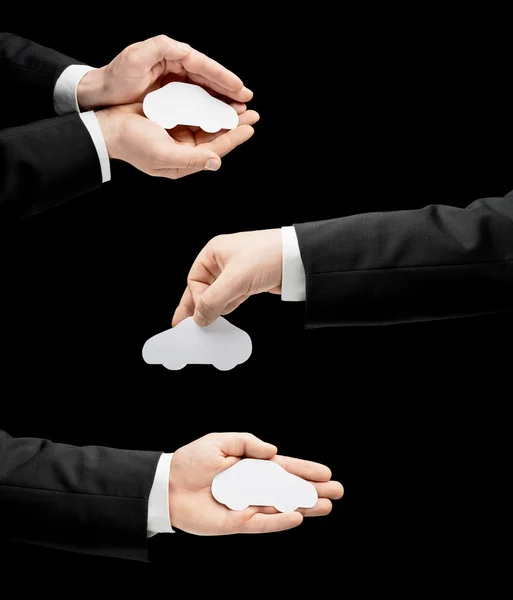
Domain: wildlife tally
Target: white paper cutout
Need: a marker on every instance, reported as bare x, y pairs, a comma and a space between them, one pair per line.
253, 482
185, 104
220, 344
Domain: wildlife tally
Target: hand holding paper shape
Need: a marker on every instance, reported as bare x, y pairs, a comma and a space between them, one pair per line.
220, 344
253, 482
184, 104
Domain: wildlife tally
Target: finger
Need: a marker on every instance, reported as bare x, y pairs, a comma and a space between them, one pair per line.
241, 94
321, 509
250, 117
177, 156
216, 297
239, 107
263, 523
222, 145
244, 444
330, 489
231, 139
184, 309
204, 271
150, 52
304, 468
183, 135
200, 65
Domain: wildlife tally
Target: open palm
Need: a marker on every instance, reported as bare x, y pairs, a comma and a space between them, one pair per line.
194, 509
176, 152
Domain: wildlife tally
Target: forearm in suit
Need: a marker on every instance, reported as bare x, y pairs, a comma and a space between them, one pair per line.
85, 499
45, 163
28, 73
415, 265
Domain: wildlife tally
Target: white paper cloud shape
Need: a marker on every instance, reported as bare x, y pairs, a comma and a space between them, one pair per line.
220, 344
253, 482
185, 104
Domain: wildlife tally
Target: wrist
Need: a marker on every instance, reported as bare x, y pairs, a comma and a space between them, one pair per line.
172, 501
91, 90
108, 121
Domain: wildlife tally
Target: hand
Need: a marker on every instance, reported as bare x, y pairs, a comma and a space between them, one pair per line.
149, 65
193, 509
131, 137
228, 270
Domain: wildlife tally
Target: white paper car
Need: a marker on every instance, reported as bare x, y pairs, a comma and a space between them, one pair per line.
253, 482
185, 104
220, 344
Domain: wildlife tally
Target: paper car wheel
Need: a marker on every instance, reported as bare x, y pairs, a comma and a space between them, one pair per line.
211, 126
285, 507
224, 366
175, 366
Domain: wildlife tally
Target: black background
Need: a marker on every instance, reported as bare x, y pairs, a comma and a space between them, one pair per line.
371, 111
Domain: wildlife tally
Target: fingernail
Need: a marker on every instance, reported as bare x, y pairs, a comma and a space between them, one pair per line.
185, 48
199, 319
212, 164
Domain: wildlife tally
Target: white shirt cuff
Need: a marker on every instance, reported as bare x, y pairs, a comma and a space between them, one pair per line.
91, 122
158, 504
293, 280
65, 91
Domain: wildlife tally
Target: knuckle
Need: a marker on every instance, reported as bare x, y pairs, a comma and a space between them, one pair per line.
207, 301
193, 161
132, 50
160, 40
133, 55
218, 241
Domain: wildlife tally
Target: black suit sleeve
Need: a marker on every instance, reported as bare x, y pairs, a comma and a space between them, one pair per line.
48, 161
28, 74
85, 499
44, 163
434, 263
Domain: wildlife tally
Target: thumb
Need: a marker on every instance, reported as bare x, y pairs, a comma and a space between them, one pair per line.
212, 302
191, 157
245, 444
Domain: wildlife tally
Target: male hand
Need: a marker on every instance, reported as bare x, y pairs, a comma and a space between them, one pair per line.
228, 270
149, 65
174, 153
193, 509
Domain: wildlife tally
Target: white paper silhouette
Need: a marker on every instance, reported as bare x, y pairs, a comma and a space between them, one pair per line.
185, 104
220, 344
253, 482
